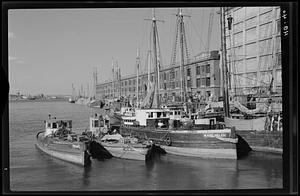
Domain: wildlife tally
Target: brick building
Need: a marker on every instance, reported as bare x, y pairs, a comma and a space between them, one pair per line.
202, 76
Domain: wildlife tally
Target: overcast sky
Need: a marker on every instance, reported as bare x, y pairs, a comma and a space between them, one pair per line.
49, 49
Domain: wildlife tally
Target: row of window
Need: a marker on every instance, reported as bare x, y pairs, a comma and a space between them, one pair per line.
265, 13
265, 31
202, 82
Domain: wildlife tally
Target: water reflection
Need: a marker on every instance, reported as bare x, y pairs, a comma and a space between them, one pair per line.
86, 175
33, 170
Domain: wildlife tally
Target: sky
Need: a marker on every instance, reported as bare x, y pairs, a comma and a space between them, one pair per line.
49, 49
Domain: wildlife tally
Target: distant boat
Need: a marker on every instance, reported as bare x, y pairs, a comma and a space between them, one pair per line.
72, 99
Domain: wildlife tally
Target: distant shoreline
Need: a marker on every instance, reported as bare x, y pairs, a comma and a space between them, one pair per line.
39, 100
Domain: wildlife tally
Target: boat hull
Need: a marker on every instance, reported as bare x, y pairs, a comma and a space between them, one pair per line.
257, 124
253, 131
64, 151
197, 143
125, 152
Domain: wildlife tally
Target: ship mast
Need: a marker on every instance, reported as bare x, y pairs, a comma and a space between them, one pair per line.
137, 77
224, 61
184, 55
156, 62
182, 80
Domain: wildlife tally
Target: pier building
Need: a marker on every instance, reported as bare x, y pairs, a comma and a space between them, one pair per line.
202, 75
253, 45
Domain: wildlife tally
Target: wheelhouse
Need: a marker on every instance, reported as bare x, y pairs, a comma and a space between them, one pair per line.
53, 125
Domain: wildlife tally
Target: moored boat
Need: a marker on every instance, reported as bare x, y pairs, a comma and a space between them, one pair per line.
58, 141
128, 147
122, 147
183, 138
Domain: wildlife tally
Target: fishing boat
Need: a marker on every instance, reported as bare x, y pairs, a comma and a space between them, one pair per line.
171, 130
60, 142
125, 148
121, 147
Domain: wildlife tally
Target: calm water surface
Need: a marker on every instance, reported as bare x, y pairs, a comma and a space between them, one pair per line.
32, 170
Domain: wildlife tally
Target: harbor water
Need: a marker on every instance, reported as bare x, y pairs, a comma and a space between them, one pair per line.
32, 170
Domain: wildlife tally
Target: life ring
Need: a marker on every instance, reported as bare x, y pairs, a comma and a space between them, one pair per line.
168, 141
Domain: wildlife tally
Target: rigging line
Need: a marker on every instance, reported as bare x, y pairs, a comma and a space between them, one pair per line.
197, 33
188, 55
239, 75
171, 37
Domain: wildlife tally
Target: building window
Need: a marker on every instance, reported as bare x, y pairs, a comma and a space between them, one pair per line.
172, 74
265, 30
239, 53
251, 22
208, 81
278, 60
238, 38
266, 17
203, 81
265, 62
203, 70
265, 47
208, 68
125, 83
264, 9
278, 24
189, 83
251, 50
238, 27
250, 80
165, 75
165, 86
198, 84
251, 65
177, 74
251, 11
251, 34
239, 14
198, 70
188, 72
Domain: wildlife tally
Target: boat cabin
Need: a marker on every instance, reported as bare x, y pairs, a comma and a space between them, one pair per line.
127, 111
194, 116
175, 113
153, 117
98, 124
128, 120
53, 125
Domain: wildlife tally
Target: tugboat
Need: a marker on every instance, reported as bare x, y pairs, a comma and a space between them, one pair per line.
60, 142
